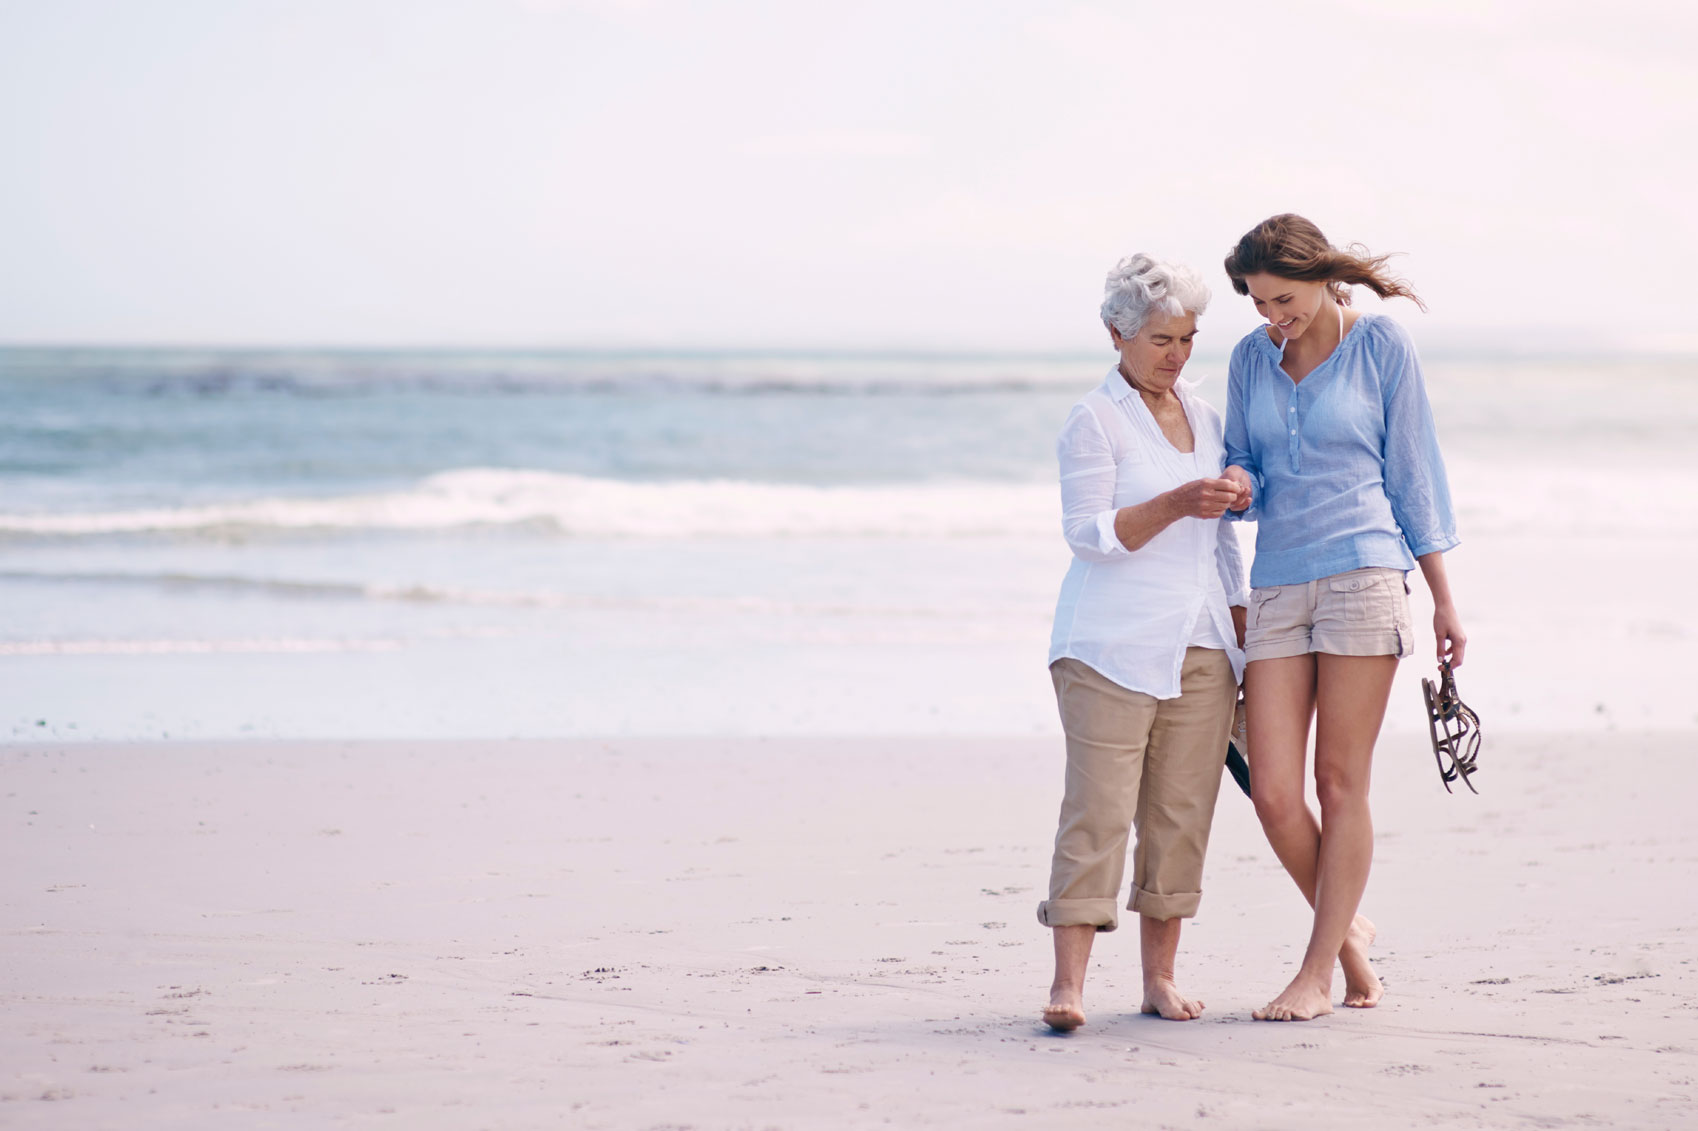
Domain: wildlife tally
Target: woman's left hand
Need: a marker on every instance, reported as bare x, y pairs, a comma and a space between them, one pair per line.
1447, 627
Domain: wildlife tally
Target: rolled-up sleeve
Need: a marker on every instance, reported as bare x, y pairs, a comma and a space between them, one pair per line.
1415, 479
1087, 488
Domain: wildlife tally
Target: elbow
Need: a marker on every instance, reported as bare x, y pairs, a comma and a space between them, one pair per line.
1087, 550
1426, 529
1083, 541
1095, 537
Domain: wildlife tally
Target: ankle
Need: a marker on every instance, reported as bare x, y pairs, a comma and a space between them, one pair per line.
1318, 979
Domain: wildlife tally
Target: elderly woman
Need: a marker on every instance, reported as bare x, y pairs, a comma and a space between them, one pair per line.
1145, 652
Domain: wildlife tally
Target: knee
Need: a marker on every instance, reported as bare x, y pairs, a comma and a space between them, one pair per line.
1335, 789
1276, 808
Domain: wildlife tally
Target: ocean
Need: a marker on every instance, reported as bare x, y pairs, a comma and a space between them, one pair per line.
293, 543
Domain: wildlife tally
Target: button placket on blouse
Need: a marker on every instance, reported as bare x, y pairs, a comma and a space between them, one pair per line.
1294, 424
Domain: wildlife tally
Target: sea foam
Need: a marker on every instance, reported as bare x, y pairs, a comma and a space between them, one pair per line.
1493, 498
586, 507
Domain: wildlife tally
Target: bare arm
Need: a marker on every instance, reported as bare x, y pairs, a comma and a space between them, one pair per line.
1447, 625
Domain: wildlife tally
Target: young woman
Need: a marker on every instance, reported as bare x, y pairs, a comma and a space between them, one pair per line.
1329, 428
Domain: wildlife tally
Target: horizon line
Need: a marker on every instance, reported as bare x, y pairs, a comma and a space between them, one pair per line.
1448, 346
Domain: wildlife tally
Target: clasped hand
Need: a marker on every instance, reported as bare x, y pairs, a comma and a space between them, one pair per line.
1243, 484
1210, 498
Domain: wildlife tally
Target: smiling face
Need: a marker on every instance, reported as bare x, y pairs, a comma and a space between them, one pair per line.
1290, 305
1152, 358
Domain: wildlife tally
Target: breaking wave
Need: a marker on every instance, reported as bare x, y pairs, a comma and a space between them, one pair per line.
576, 506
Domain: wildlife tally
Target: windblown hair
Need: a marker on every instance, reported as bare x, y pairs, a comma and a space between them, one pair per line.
1141, 285
1291, 247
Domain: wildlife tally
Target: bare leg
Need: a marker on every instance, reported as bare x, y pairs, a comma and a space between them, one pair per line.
1159, 941
1362, 987
1066, 1009
1281, 701
1280, 696
1350, 694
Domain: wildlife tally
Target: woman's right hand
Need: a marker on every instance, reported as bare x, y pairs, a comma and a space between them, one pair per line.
1243, 484
1204, 498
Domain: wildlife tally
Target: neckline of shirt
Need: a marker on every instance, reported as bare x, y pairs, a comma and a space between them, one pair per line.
1260, 333
1183, 389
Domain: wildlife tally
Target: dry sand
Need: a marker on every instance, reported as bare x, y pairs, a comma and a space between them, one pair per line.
806, 933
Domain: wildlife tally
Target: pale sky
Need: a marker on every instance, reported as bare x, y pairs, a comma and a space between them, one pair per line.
917, 174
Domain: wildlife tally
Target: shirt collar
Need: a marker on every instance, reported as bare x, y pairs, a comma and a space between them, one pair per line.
1117, 387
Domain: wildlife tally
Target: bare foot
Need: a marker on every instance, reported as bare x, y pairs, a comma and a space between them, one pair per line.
1362, 987
1162, 997
1302, 1000
1065, 1011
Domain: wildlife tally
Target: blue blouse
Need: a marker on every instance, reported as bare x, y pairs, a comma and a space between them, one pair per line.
1346, 461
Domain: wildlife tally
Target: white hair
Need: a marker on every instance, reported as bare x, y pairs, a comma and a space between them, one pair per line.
1141, 285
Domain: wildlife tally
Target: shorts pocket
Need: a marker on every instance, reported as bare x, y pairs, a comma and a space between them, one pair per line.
1363, 594
1260, 599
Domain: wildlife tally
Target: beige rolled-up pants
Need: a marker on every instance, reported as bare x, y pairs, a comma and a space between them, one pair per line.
1137, 761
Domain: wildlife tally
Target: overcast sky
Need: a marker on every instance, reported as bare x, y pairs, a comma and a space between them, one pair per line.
914, 174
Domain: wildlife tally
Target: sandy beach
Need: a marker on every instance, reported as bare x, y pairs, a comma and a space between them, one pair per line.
733, 933
530, 533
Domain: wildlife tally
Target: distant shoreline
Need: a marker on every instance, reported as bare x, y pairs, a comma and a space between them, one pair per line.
1432, 349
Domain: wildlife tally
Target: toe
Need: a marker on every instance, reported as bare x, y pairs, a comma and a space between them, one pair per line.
1063, 1018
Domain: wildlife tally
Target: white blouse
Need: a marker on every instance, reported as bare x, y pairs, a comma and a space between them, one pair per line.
1130, 614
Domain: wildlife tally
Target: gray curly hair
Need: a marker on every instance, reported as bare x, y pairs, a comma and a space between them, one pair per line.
1141, 285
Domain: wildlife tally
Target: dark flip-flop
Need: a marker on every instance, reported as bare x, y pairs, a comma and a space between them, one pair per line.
1455, 729
1236, 765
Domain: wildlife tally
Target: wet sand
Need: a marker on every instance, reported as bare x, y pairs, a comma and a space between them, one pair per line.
731, 933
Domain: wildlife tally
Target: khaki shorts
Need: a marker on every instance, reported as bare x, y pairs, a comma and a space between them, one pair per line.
1364, 612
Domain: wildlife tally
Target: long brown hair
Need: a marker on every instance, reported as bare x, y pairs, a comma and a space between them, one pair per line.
1291, 247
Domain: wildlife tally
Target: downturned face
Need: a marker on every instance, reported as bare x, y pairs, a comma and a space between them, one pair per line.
1291, 306
1153, 358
